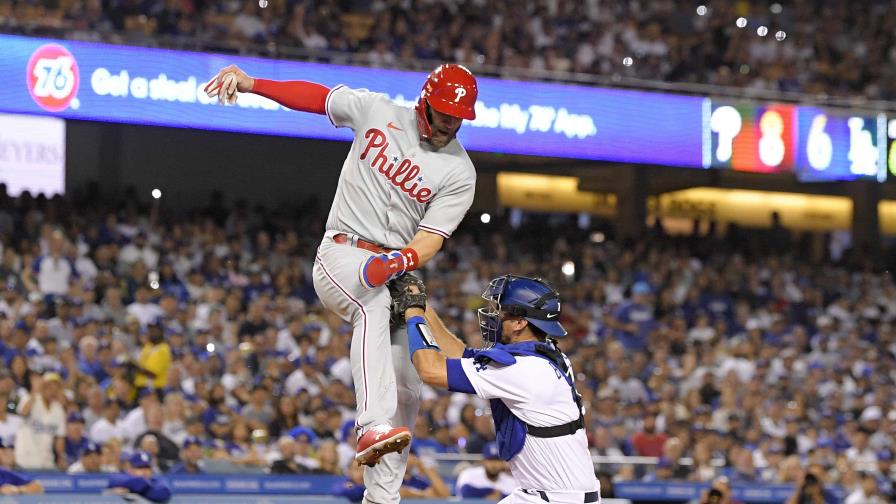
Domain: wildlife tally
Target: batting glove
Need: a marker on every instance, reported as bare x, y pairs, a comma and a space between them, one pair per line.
378, 270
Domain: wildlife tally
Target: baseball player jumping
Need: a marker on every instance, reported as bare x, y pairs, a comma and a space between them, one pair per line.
404, 187
538, 415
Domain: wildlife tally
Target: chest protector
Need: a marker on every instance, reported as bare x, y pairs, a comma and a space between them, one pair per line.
510, 431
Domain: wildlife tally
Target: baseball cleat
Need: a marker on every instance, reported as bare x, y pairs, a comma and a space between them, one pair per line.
381, 440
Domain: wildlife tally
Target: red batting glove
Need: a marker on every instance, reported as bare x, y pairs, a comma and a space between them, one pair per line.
380, 269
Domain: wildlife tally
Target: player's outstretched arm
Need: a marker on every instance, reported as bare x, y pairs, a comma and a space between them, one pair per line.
430, 363
427, 245
450, 344
303, 96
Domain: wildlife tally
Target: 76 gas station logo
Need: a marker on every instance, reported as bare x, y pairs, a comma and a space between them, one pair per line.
52, 77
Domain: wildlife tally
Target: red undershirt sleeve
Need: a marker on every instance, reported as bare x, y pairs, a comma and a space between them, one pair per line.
298, 95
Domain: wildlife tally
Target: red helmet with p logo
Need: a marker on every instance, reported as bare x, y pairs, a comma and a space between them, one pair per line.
449, 89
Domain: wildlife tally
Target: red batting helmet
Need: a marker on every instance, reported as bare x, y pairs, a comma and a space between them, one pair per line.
449, 89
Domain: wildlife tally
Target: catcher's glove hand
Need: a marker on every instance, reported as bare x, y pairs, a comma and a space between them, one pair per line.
403, 298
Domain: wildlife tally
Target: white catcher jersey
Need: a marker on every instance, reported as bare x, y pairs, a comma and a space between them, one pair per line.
539, 395
393, 184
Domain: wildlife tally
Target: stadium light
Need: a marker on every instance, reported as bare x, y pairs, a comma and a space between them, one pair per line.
568, 268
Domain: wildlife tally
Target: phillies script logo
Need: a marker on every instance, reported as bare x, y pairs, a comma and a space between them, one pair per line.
405, 176
52, 77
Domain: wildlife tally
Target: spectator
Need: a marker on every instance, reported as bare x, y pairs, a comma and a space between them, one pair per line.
810, 489
328, 457
258, 411
860, 453
39, 440
649, 442
489, 480
74, 441
139, 479
14, 483
155, 358
421, 480
138, 250
633, 321
143, 309
7, 454
352, 488
109, 426
10, 423
89, 461
190, 457
867, 493
52, 271
304, 440
287, 464
134, 423
168, 452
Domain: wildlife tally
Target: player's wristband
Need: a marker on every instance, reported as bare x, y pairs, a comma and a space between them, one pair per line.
419, 336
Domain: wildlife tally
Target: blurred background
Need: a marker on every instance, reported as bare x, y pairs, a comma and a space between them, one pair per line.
706, 183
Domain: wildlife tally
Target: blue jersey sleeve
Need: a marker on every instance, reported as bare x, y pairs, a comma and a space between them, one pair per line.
474, 492
157, 490
457, 378
8, 477
153, 489
349, 490
133, 483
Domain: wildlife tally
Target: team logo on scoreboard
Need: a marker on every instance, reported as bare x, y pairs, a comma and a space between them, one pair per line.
52, 77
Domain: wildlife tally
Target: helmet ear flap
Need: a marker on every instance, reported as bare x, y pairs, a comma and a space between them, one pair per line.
424, 119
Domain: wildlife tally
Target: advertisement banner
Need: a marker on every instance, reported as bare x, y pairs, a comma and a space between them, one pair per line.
32, 154
80, 80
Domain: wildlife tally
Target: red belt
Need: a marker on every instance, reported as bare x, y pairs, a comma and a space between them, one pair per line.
343, 239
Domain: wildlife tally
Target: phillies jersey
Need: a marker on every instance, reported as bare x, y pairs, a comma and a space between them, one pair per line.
393, 184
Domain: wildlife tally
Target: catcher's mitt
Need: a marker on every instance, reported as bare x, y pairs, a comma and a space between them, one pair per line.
403, 298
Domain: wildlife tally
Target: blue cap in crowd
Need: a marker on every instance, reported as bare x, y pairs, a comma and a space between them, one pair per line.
74, 416
297, 432
145, 391
192, 440
641, 288
140, 460
91, 447
490, 452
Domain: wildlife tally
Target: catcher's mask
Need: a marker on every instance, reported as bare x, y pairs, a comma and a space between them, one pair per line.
530, 298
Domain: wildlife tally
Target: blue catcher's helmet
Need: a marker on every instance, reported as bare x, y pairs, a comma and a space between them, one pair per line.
530, 298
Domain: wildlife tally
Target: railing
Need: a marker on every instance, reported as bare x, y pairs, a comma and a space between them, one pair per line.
283, 51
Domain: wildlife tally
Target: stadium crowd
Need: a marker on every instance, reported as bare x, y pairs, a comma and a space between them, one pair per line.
199, 340
831, 48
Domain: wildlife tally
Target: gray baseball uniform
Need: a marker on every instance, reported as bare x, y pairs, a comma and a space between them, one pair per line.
392, 185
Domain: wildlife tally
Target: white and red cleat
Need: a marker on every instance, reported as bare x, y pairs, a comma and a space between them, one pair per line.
380, 440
